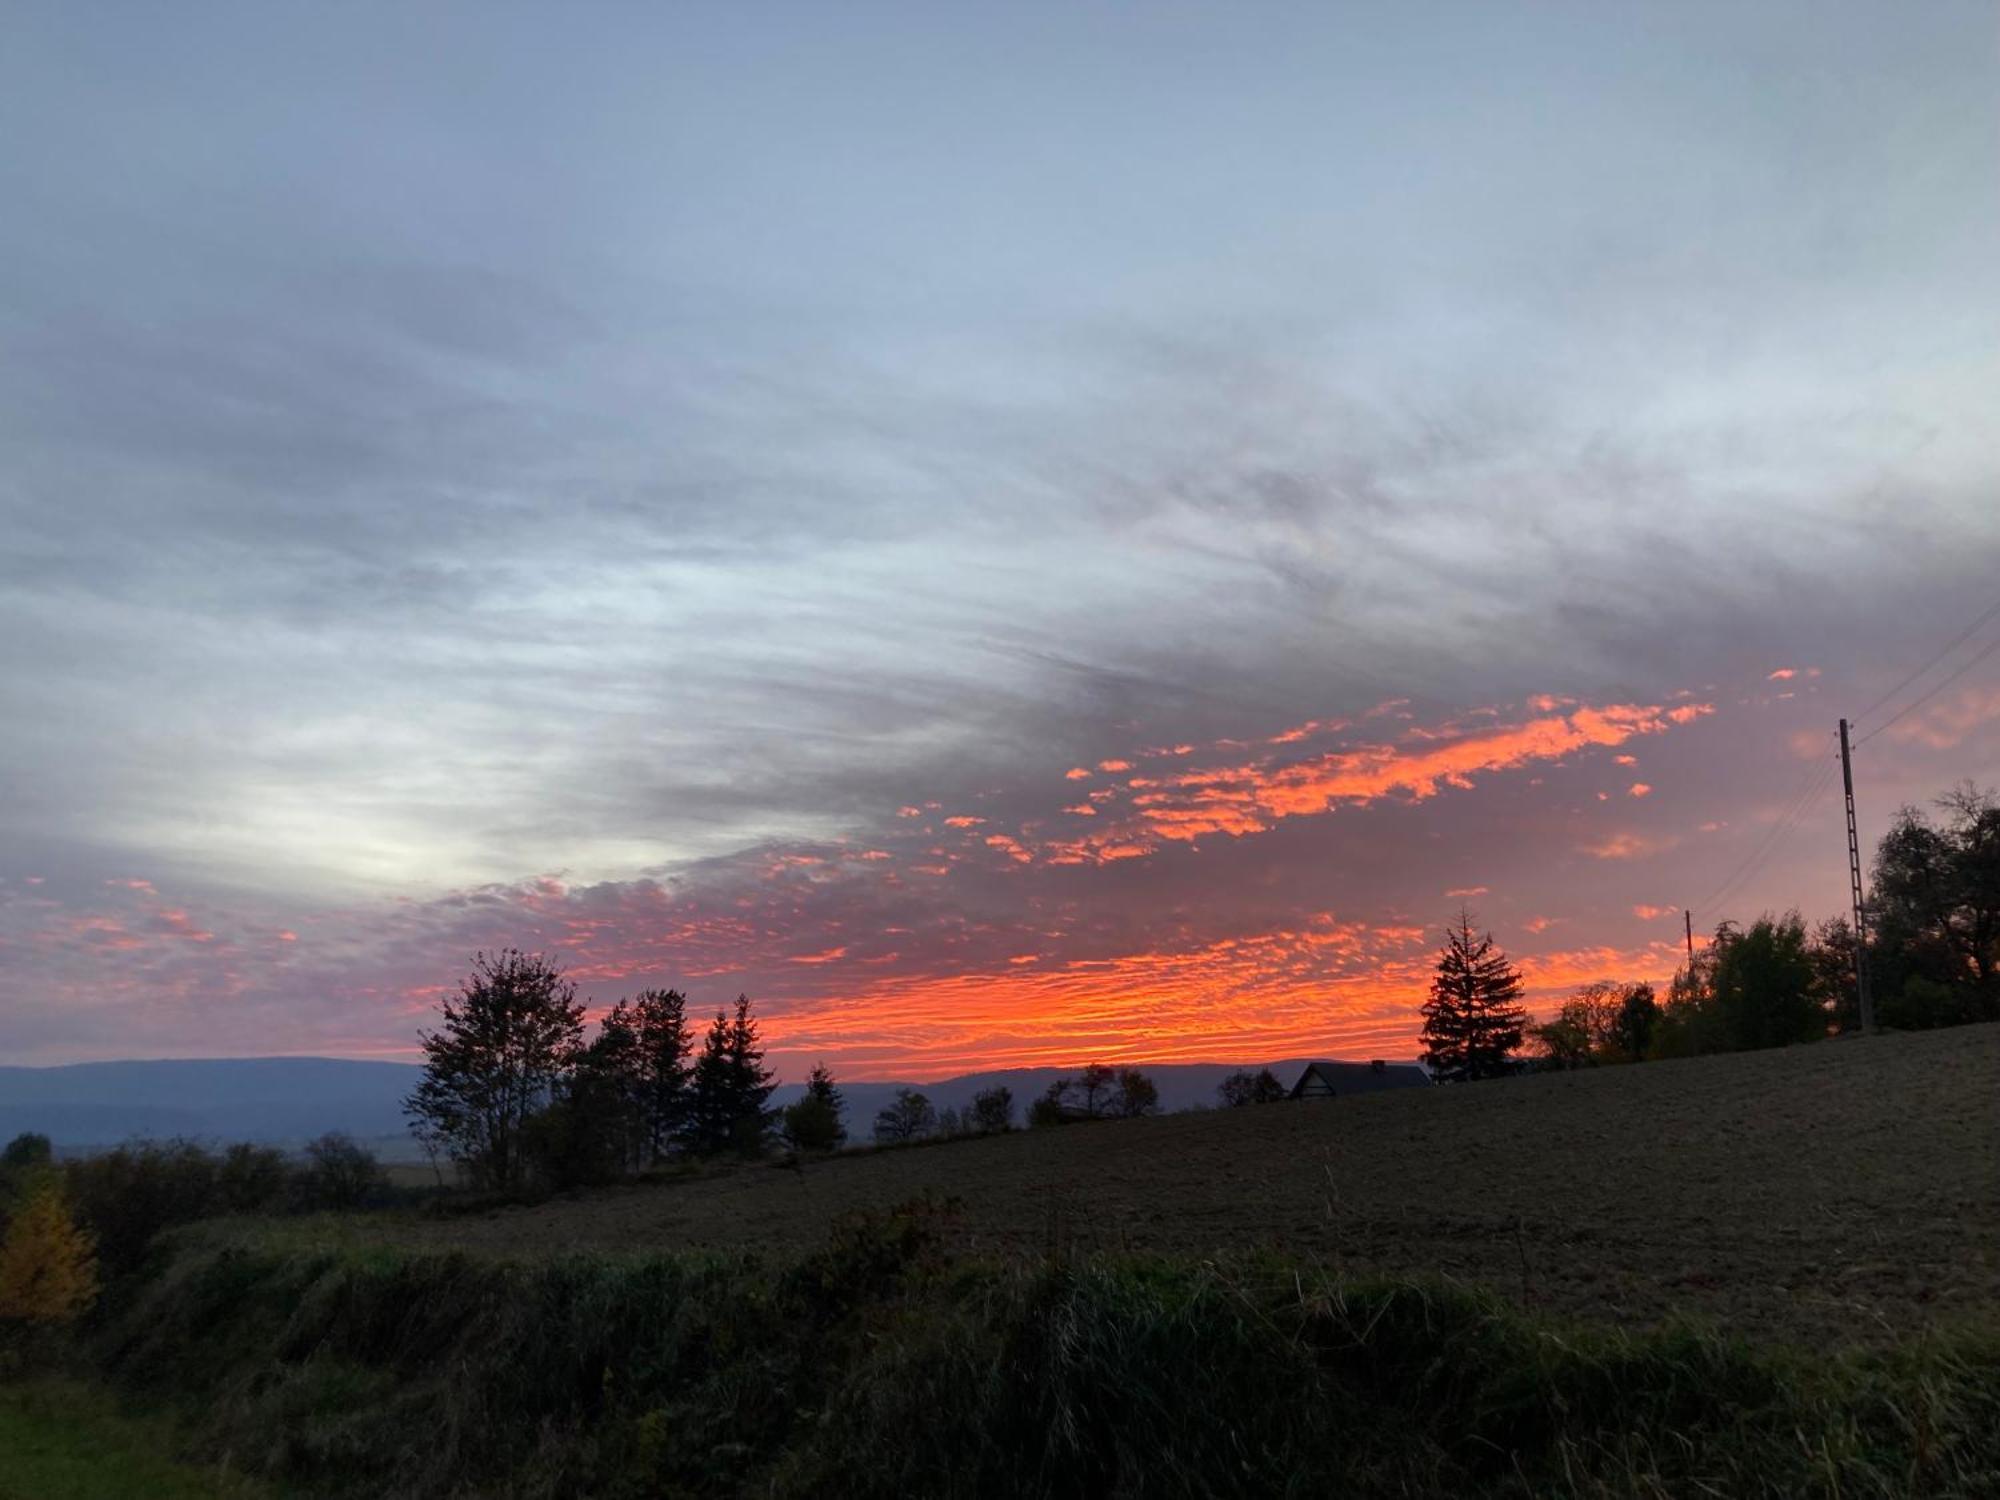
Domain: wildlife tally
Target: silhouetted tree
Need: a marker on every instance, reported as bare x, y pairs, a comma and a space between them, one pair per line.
1935, 914
1244, 1087
730, 1086
339, 1174
1761, 984
813, 1121
1094, 1087
993, 1110
659, 1019
908, 1117
1137, 1094
1632, 1028
1473, 1021
505, 1046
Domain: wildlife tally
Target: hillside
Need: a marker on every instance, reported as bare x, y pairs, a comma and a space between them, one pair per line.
1847, 1187
288, 1100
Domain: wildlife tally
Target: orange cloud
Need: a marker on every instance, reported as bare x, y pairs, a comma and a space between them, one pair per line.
1640, 789
1653, 913
1783, 674
1248, 798
1114, 765
1077, 773
1465, 892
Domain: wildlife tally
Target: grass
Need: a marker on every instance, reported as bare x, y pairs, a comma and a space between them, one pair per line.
62, 1440
884, 1365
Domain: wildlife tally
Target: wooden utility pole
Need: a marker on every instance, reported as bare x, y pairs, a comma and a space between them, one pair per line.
1854, 885
1688, 918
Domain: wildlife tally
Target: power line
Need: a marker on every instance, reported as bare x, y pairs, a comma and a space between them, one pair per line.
1956, 641
1966, 666
1815, 780
1776, 838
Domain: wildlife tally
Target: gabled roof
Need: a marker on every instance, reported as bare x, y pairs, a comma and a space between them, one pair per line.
1362, 1077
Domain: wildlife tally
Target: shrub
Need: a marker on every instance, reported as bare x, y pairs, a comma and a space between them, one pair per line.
252, 1178
127, 1196
811, 1124
339, 1174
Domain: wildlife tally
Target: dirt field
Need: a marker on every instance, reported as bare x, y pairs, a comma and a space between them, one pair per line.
1849, 1189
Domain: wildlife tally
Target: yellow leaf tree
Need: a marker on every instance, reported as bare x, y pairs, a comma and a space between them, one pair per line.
48, 1269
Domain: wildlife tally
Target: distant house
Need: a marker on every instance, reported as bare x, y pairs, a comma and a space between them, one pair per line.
1327, 1080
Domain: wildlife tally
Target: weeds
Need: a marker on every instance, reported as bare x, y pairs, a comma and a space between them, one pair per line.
881, 1366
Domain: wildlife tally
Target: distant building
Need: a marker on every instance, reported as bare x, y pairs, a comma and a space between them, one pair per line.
1327, 1080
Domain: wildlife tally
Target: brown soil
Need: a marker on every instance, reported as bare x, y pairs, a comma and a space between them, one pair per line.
1848, 1190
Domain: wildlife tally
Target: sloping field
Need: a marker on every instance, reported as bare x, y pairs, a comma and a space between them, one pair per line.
1848, 1190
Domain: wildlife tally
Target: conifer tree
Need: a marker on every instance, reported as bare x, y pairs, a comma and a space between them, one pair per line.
48, 1266
730, 1085
1473, 1021
664, 1044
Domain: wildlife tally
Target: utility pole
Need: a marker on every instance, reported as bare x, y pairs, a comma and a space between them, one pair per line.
1688, 918
1854, 884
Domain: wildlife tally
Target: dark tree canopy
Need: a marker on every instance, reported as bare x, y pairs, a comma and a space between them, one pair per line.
1935, 911
813, 1121
506, 1043
992, 1110
1244, 1087
1473, 1021
730, 1086
907, 1118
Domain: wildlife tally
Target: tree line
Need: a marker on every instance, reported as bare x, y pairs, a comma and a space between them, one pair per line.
1932, 958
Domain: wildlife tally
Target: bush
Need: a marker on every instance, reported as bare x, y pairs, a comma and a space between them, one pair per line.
339, 1174
28, 1149
811, 1124
873, 1367
251, 1179
125, 1197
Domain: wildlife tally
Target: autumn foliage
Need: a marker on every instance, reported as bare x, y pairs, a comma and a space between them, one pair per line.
48, 1266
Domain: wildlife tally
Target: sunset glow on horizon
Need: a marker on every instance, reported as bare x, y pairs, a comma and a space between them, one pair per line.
1004, 563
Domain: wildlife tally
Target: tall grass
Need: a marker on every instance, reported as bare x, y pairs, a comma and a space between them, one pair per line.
880, 1367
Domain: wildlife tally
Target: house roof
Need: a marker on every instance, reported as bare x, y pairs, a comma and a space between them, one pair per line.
1363, 1077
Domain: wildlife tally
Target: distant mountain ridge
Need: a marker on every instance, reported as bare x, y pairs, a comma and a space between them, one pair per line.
286, 1101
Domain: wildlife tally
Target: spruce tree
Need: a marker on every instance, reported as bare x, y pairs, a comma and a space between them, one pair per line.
726, 1106
1473, 1021
664, 1042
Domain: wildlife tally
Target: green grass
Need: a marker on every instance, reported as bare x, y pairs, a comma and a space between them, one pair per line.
60, 1440
881, 1366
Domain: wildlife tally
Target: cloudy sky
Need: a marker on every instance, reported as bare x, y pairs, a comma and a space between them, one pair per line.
1011, 533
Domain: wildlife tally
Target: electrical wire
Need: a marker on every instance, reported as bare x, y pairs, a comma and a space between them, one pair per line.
1965, 666
1956, 641
1806, 792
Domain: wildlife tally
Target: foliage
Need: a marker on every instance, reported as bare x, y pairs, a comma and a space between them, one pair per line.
1244, 1087
1935, 911
730, 1086
809, 1123
504, 1047
658, 1019
250, 1178
1603, 1022
48, 1267
907, 1117
992, 1110
1473, 1020
1761, 983
339, 1174
127, 1196
28, 1149
1099, 1092
873, 1368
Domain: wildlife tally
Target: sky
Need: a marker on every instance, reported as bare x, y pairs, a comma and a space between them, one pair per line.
1011, 534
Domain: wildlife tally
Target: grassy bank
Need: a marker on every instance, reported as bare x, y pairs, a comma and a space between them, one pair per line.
880, 1366
61, 1440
